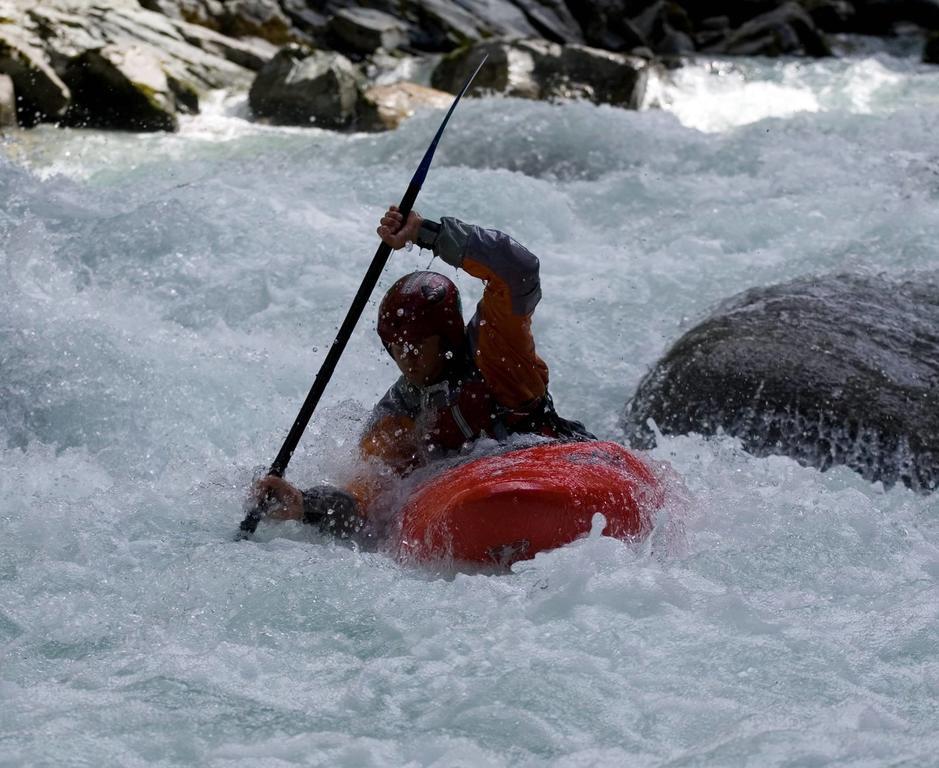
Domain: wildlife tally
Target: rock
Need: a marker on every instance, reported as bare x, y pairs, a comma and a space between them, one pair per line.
552, 19
711, 30
510, 68
788, 29
46, 44
234, 18
40, 93
365, 30
831, 15
255, 18
836, 370
247, 54
606, 23
303, 87
666, 27
124, 88
599, 76
536, 69
385, 107
931, 50
166, 7
307, 22
7, 103
442, 25
737, 11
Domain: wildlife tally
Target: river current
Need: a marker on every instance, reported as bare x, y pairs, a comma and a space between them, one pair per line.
165, 301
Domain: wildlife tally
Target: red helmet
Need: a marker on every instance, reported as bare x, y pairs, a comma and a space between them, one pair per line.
421, 305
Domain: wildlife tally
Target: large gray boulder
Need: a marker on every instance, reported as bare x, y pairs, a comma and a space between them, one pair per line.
536, 69
303, 87
837, 370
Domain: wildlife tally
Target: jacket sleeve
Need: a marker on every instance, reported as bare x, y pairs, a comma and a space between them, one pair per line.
500, 331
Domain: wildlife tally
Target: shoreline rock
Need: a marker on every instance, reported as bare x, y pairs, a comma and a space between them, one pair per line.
569, 48
537, 69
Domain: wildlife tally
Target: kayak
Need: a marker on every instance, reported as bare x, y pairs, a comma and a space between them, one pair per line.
509, 507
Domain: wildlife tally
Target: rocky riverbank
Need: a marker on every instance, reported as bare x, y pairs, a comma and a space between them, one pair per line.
133, 65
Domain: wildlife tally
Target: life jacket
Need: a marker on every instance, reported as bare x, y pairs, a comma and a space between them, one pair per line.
462, 408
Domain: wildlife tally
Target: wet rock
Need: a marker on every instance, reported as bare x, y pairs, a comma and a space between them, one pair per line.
553, 20
510, 68
40, 93
244, 54
786, 30
666, 27
536, 69
124, 88
931, 50
598, 76
837, 370
384, 107
7, 103
303, 87
365, 30
711, 30
64, 37
255, 18
607, 24
442, 25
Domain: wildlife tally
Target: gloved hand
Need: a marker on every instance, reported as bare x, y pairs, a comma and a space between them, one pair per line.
334, 511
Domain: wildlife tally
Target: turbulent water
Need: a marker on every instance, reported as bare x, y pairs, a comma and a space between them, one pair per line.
165, 300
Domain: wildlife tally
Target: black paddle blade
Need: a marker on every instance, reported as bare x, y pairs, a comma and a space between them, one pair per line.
254, 516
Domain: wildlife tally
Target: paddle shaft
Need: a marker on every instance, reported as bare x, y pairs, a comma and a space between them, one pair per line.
250, 523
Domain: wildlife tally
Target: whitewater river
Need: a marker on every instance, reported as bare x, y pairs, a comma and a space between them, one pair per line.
165, 301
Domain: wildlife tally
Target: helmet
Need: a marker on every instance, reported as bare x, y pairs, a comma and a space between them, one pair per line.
421, 305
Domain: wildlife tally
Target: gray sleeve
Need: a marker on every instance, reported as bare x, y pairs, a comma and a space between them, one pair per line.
456, 241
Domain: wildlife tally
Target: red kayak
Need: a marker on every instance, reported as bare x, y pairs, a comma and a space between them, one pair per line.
509, 507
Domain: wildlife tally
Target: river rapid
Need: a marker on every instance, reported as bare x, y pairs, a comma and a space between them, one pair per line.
165, 301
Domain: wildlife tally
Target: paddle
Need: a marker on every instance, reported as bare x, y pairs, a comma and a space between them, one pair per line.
250, 523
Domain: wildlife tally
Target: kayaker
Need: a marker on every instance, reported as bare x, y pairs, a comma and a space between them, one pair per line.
457, 382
